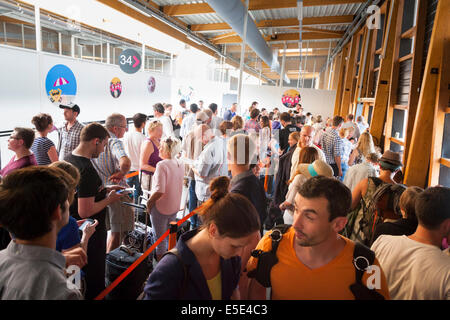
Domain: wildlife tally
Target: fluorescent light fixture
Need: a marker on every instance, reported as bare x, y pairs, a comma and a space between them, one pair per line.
304, 50
193, 39
300, 9
129, 4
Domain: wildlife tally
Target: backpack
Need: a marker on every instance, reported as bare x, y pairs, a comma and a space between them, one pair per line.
274, 216
380, 202
363, 257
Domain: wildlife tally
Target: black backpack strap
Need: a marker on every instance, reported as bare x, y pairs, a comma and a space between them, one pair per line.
363, 257
267, 259
277, 235
174, 251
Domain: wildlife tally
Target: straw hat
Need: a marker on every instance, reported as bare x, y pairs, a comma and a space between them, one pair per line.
317, 168
201, 116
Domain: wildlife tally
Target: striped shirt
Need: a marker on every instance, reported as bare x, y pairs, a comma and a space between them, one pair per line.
332, 145
69, 139
252, 125
40, 148
107, 162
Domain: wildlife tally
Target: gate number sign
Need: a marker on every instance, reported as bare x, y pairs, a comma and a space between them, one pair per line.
130, 61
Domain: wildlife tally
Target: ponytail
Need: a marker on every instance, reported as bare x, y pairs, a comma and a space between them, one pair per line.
233, 214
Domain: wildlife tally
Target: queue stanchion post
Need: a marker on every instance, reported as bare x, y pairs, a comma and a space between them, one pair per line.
173, 234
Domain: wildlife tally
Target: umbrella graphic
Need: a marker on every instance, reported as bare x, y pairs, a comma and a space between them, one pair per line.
60, 82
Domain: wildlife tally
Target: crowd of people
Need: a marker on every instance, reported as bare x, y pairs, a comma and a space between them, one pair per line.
285, 200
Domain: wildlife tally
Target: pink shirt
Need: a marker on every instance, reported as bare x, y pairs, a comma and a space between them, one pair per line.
168, 179
18, 164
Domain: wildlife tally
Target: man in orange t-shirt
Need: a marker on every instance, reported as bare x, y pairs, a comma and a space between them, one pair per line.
314, 261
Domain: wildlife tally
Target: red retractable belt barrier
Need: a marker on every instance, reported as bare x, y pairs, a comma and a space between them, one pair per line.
120, 278
128, 176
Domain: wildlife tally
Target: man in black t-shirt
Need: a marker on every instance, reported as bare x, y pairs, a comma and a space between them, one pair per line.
284, 133
90, 202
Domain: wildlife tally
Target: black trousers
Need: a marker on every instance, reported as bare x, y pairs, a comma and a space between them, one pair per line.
335, 169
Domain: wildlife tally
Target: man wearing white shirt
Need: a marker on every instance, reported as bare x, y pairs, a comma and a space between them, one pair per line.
216, 120
362, 125
351, 124
361, 171
132, 141
415, 266
189, 121
209, 163
159, 111
306, 135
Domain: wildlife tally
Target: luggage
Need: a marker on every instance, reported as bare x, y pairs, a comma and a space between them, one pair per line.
142, 237
117, 261
135, 239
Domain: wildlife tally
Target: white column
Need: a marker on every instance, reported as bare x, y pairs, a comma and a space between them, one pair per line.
23, 37
60, 43
241, 65
306, 60
37, 23
313, 79
72, 46
108, 53
328, 62
283, 64
143, 57
4, 31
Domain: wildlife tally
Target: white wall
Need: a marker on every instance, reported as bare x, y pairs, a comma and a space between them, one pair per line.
23, 94
22, 88
314, 101
207, 91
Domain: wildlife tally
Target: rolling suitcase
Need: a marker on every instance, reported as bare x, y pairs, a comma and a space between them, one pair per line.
142, 237
117, 261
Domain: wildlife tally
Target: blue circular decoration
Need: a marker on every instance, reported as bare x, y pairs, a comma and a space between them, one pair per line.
61, 85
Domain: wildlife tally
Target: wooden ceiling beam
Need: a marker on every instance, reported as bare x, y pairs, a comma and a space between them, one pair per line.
291, 22
314, 53
312, 45
203, 8
216, 39
283, 37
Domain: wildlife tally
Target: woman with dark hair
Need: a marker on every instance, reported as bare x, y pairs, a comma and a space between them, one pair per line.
206, 264
43, 148
20, 143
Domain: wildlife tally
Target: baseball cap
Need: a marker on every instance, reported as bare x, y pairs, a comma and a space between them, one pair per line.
71, 106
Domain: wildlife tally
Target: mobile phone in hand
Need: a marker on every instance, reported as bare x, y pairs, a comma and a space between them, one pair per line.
85, 224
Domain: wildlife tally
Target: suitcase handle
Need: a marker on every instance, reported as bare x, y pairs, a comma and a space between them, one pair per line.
140, 207
130, 251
